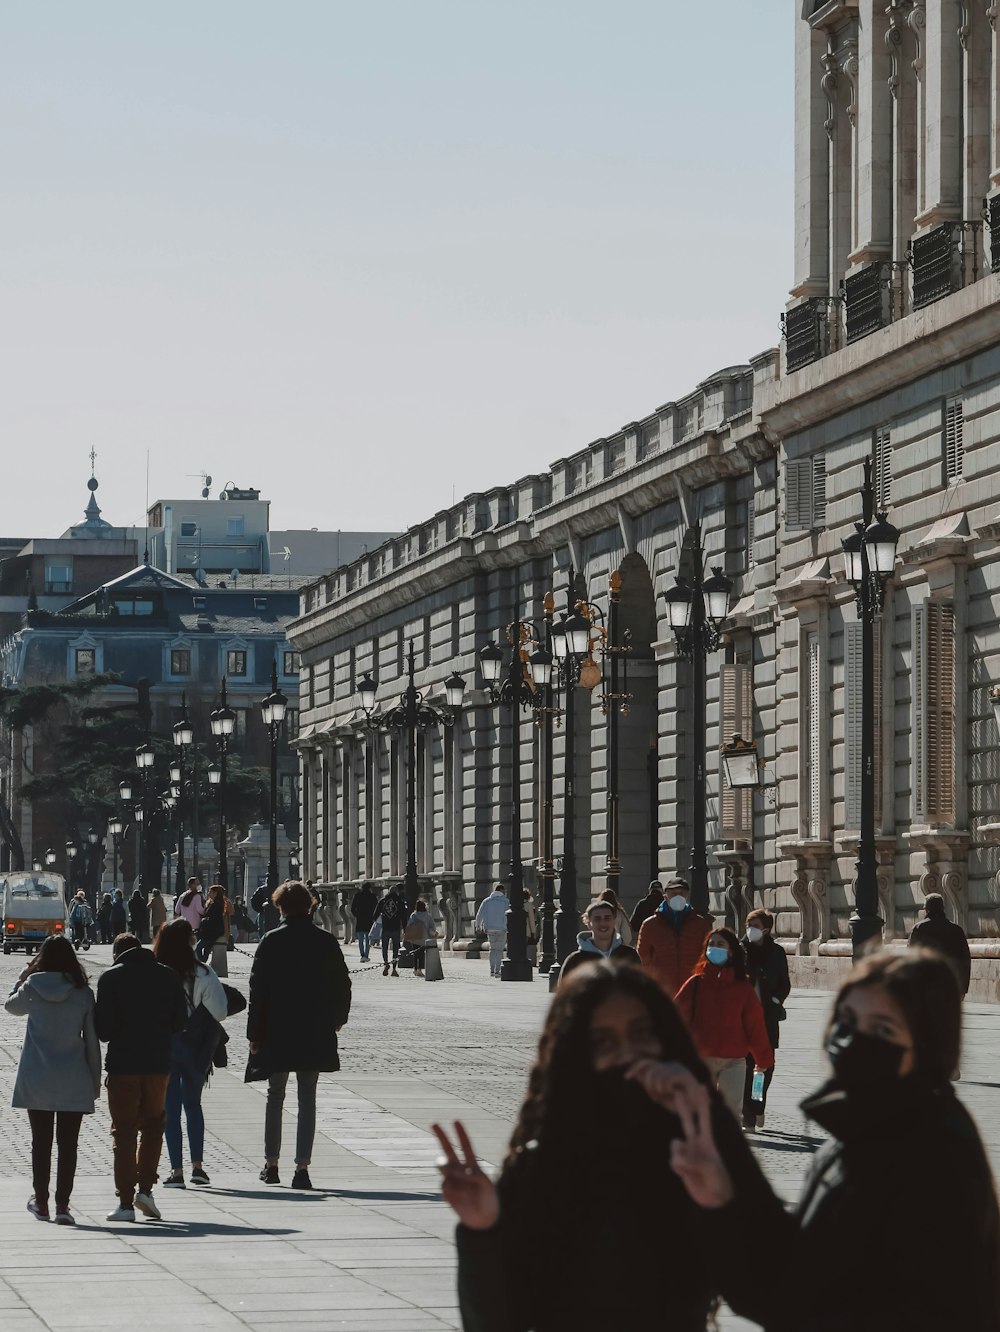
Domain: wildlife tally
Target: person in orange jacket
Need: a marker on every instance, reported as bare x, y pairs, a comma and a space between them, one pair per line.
725, 1017
672, 940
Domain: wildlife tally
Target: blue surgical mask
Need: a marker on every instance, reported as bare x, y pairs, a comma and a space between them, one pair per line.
717, 956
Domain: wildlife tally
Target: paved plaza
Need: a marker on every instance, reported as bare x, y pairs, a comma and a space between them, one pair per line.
371, 1248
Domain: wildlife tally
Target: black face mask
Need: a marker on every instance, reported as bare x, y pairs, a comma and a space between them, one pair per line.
862, 1061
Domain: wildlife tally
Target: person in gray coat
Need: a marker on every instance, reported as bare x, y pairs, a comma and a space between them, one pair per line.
59, 1074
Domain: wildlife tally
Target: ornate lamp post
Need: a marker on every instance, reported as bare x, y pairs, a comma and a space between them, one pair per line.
183, 736
115, 826
696, 608
541, 669
50, 858
223, 721
144, 758
870, 558
409, 715
514, 693
273, 709
71, 850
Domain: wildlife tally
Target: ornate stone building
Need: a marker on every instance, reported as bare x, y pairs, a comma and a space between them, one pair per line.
891, 355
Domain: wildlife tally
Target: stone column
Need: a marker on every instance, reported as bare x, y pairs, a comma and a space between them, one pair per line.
873, 138
992, 13
902, 38
943, 199
812, 276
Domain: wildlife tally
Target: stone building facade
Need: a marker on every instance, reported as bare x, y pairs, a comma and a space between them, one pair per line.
891, 356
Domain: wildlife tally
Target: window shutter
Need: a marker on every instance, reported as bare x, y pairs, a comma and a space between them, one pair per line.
934, 712
813, 713
882, 459
954, 446
818, 517
853, 683
798, 485
751, 516
736, 819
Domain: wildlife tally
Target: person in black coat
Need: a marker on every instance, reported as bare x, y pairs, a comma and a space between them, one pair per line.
104, 918
648, 906
565, 1191
117, 916
767, 971
392, 912
138, 913
943, 936
300, 997
904, 1184
363, 906
140, 1005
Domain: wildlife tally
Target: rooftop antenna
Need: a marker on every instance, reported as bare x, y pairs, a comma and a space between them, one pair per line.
206, 482
145, 553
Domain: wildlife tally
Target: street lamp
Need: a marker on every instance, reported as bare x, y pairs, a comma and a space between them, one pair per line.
869, 558
696, 608
144, 757
183, 736
513, 692
740, 763
50, 858
223, 721
410, 714
273, 708
115, 827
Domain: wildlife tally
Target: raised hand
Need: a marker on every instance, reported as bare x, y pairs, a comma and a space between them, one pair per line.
466, 1188
695, 1158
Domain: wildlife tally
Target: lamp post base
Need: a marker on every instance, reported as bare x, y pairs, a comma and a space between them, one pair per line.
866, 935
516, 971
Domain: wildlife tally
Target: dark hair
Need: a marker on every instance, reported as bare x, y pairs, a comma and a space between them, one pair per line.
600, 902
216, 888
762, 917
925, 986
173, 947
292, 899
558, 1083
737, 959
934, 904
420, 905
123, 943
187, 896
610, 898
58, 954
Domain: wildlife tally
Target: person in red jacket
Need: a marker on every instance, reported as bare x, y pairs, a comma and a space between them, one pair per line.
725, 1017
672, 940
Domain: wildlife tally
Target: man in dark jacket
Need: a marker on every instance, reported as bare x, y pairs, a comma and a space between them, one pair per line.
140, 1005
600, 939
767, 971
363, 907
647, 907
943, 936
300, 997
268, 917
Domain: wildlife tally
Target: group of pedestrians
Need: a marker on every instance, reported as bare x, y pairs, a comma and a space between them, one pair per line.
160, 1012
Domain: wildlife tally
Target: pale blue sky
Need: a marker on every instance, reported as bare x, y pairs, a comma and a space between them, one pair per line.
365, 255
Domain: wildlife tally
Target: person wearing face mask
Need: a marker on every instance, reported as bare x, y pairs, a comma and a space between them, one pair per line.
646, 907
600, 939
767, 971
562, 1190
724, 1016
672, 940
904, 1181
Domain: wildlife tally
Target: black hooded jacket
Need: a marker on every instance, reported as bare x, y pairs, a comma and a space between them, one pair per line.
140, 1004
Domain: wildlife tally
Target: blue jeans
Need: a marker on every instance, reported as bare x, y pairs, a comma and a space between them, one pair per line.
184, 1089
364, 945
386, 938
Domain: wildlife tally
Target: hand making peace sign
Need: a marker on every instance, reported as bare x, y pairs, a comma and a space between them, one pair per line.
470, 1192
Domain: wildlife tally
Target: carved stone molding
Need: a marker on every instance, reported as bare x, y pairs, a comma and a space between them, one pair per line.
992, 10
810, 889
894, 43
849, 67
831, 71
885, 857
947, 867
965, 23
916, 21
738, 863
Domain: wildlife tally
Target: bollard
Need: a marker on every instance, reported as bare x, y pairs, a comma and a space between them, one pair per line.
433, 971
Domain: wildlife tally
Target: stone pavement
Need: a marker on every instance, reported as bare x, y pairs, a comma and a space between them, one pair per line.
371, 1248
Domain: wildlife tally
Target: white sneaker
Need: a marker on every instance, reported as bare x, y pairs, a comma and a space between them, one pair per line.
121, 1214
145, 1204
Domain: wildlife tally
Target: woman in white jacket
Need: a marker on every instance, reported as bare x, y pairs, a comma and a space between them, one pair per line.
174, 947
59, 1073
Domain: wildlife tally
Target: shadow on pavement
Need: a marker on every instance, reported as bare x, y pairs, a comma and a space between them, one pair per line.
788, 1142
386, 1197
193, 1229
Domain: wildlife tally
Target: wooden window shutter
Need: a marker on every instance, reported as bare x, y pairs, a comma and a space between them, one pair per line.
798, 483
751, 517
934, 712
882, 467
954, 445
818, 516
813, 750
853, 686
736, 819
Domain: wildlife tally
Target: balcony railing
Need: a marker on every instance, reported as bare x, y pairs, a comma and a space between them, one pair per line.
993, 222
811, 331
945, 260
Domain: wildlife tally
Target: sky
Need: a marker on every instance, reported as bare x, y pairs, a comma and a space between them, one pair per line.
372, 256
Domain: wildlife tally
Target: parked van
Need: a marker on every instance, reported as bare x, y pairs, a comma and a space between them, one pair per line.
34, 906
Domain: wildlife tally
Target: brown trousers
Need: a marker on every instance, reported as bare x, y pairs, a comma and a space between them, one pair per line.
135, 1103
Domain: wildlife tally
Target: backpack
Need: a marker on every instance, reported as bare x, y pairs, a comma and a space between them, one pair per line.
390, 913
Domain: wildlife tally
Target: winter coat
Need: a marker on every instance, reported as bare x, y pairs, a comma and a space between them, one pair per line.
553, 1204
624, 926
767, 969
391, 910
425, 919
670, 951
60, 1064
588, 951
138, 914
300, 993
904, 1178
206, 988
157, 911
191, 911
943, 936
492, 913
80, 914
724, 1016
140, 1004
363, 906
117, 918
649, 906
104, 910
212, 925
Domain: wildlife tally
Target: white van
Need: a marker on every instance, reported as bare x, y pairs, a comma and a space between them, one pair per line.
34, 906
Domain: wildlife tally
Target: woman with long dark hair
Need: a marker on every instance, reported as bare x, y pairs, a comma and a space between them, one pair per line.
564, 1192
904, 1181
174, 948
59, 1073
